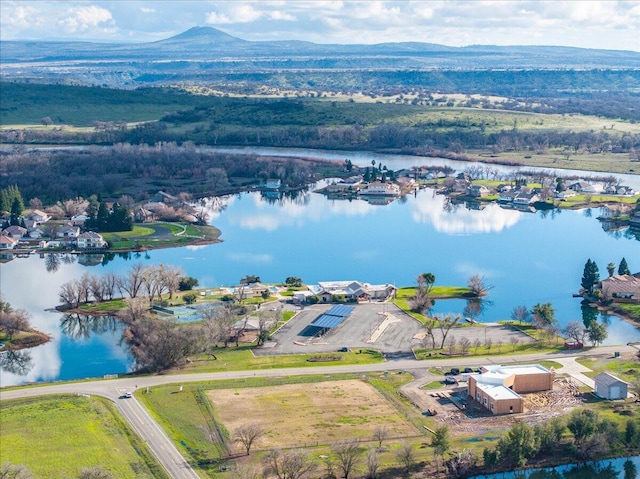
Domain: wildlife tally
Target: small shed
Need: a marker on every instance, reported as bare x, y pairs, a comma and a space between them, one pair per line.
610, 387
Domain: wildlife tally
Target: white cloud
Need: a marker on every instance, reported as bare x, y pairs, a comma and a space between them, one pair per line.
279, 15
251, 257
147, 10
80, 19
215, 18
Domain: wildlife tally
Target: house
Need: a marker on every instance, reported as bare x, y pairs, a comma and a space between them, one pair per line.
17, 232
378, 188
584, 187
610, 387
498, 388
621, 288
68, 232
503, 188
7, 242
90, 239
526, 198
564, 194
252, 290
166, 198
478, 191
350, 291
38, 217
143, 215
507, 196
36, 233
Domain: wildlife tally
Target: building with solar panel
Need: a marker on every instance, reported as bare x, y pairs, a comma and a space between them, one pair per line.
346, 291
332, 318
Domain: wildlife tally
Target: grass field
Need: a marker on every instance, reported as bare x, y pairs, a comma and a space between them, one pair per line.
309, 414
627, 370
55, 437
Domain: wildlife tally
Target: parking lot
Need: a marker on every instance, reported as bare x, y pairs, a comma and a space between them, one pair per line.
380, 326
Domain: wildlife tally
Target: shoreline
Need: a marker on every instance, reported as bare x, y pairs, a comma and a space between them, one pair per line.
34, 338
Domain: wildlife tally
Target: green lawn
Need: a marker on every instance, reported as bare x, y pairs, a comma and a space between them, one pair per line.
242, 358
55, 437
625, 370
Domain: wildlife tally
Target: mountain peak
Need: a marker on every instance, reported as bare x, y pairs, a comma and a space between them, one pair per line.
204, 34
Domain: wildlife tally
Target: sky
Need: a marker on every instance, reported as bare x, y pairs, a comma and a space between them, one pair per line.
609, 24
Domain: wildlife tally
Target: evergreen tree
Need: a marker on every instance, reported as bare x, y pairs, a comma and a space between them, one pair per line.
590, 275
623, 268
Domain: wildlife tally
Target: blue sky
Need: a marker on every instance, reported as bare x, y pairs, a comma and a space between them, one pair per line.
590, 24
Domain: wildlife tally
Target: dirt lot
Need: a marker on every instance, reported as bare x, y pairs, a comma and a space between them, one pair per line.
539, 407
309, 414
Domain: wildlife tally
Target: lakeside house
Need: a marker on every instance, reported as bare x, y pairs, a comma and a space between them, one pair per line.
621, 288
7, 242
497, 388
345, 291
384, 189
90, 240
15, 231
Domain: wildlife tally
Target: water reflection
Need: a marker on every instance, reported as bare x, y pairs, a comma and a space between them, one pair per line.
16, 362
476, 307
447, 216
80, 326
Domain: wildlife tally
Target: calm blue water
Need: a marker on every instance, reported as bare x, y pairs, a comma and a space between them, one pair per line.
620, 468
527, 257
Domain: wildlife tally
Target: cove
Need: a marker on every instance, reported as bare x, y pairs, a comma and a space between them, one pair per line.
529, 258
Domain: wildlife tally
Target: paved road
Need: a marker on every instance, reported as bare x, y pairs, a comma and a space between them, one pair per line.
166, 452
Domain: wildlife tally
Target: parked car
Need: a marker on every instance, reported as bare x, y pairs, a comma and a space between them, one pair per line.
450, 380
128, 394
467, 370
455, 371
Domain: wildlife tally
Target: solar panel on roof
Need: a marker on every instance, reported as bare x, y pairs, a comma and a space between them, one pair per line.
327, 321
340, 310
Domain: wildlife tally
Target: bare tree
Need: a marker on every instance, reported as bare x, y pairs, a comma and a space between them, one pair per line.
247, 435
514, 342
348, 456
84, 289
287, 465
373, 463
476, 344
478, 286
575, 330
134, 310
520, 314
406, 456
445, 324
451, 344
380, 434
132, 282
465, 344
109, 282
499, 343
429, 326
488, 342
96, 287
217, 321
68, 294
14, 321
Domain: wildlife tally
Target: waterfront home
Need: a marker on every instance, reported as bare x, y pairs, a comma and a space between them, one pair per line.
507, 196
68, 232
498, 388
607, 386
526, 198
478, 191
332, 291
584, 187
38, 217
7, 242
564, 194
15, 231
621, 288
378, 188
273, 184
36, 233
90, 239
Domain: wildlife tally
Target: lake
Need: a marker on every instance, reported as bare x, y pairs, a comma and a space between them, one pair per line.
527, 257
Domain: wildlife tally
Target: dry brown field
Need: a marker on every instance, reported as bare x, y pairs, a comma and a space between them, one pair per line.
304, 415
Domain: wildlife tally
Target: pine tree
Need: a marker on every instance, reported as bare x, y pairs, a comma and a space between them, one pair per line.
590, 276
623, 268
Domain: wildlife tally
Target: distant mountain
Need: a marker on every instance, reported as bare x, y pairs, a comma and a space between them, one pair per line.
204, 54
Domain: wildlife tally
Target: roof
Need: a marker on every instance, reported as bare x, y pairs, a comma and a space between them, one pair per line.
498, 391
621, 284
607, 379
333, 317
